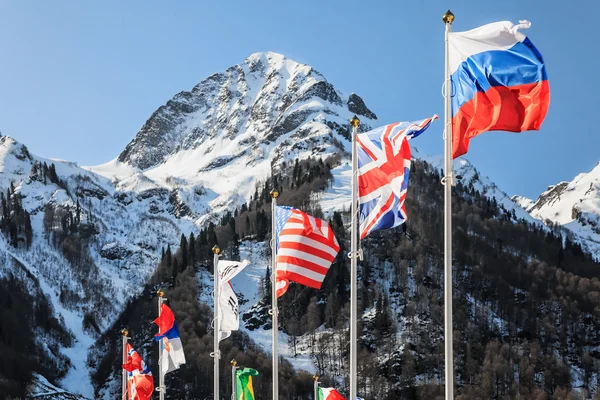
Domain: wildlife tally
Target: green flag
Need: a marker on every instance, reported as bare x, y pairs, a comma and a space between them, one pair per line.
243, 383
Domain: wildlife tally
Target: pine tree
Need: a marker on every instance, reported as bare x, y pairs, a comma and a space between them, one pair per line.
192, 249
267, 283
183, 247
168, 255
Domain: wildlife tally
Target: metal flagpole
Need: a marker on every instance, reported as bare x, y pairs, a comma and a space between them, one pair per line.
354, 254
161, 376
124, 333
316, 387
233, 369
448, 182
216, 320
274, 311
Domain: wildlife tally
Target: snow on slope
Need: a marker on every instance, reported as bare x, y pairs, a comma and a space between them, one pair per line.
41, 389
212, 145
573, 205
199, 154
337, 196
469, 174
196, 156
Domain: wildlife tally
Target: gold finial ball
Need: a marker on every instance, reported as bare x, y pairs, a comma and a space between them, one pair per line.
124, 332
448, 17
274, 194
160, 293
233, 362
216, 249
355, 122
316, 377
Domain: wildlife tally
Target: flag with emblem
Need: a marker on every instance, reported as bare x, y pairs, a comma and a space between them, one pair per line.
306, 247
383, 170
172, 355
228, 302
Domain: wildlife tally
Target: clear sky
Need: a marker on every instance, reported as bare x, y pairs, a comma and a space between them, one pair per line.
79, 78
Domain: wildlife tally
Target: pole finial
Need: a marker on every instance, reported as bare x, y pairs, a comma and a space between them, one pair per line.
448, 17
274, 194
355, 122
216, 249
160, 293
316, 377
233, 362
124, 332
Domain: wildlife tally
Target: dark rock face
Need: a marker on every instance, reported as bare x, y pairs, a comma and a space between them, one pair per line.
115, 251
357, 106
267, 94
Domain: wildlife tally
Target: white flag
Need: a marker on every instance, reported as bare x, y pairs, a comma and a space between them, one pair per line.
229, 269
228, 302
230, 314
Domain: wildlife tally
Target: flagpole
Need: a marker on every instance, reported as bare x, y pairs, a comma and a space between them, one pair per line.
355, 122
161, 376
216, 320
275, 325
448, 181
124, 333
233, 369
316, 387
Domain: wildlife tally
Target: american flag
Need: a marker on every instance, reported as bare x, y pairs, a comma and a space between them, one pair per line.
383, 170
306, 247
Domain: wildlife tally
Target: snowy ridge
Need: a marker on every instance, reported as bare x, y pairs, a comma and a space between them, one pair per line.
467, 173
200, 154
574, 205
41, 389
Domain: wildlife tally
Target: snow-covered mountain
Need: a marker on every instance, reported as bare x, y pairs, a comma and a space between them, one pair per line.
574, 205
199, 154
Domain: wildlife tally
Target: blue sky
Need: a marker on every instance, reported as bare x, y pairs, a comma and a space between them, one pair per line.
79, 78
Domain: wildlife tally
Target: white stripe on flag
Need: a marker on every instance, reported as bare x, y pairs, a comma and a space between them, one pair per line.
289, 238
304, 256
310, 274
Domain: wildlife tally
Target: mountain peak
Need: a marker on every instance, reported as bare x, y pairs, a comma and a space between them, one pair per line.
249, 105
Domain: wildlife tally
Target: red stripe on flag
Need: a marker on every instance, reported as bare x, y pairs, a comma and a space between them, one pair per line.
511, 108
329, 242
302, 263
307, 249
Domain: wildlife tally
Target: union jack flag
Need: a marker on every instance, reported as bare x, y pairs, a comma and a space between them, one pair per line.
383, 170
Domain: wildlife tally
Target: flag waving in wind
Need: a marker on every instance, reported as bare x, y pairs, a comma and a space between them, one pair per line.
499, 82
228, 302
306, 247
172, 350
329, 394
243, 383
140, 383
383, 170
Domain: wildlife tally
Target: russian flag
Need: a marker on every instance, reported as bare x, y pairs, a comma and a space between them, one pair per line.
499, 82
172, 355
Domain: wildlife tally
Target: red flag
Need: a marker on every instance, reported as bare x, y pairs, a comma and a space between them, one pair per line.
165, 321
140, 383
